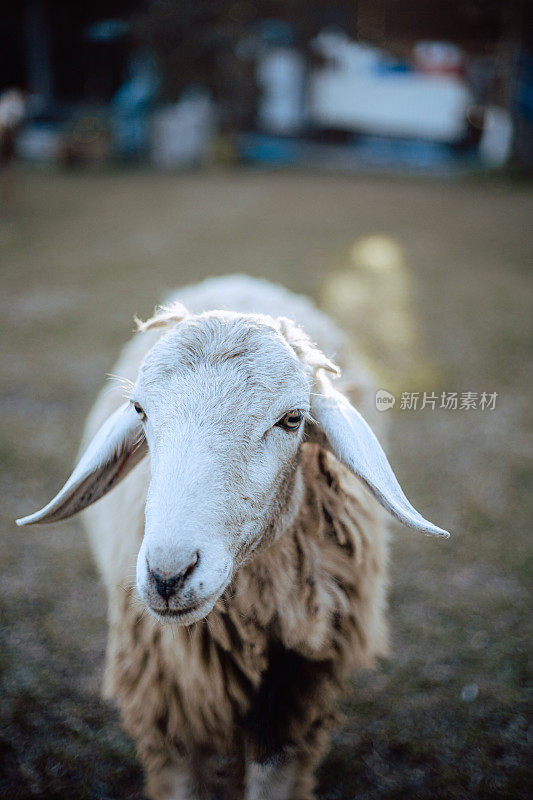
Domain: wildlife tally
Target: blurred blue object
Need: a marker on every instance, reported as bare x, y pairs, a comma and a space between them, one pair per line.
131, 106
388, 67
361, 154
415, 153
525, 85
271, 149
274, 32
107, 30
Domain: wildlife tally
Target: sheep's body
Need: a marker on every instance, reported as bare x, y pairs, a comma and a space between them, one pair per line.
253, 685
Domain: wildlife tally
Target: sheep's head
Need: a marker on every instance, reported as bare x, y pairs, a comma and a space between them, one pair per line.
222, 403
223, 399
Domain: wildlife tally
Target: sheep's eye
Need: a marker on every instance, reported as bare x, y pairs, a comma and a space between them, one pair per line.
291, 421
139, 409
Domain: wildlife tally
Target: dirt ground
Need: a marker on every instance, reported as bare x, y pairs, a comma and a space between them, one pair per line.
439, 277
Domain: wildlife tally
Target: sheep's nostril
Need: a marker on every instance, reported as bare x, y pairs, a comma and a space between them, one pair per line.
189, 569
165, 587
168, 586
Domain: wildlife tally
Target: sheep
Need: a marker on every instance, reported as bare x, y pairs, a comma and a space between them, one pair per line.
255, 531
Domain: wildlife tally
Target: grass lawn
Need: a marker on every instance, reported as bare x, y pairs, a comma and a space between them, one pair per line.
440, 273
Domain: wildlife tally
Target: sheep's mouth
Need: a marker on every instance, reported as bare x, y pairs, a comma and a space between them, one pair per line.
175, 613
183, 616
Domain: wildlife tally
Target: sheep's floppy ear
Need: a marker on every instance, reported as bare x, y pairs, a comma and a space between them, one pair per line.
352, 441
117, 447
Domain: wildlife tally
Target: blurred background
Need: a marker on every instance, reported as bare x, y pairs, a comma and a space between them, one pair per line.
354, 84
375, 155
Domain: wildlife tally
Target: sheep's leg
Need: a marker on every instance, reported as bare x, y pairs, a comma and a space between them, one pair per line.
174, 781
202, 776
282, 778
269, 780
293, 704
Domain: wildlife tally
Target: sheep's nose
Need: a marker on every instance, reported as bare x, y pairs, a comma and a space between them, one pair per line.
169, 585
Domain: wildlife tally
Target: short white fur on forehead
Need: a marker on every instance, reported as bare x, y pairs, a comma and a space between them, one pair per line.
267, 351
220, 366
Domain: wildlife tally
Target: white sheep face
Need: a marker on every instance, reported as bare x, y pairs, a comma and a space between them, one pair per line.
224, 477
